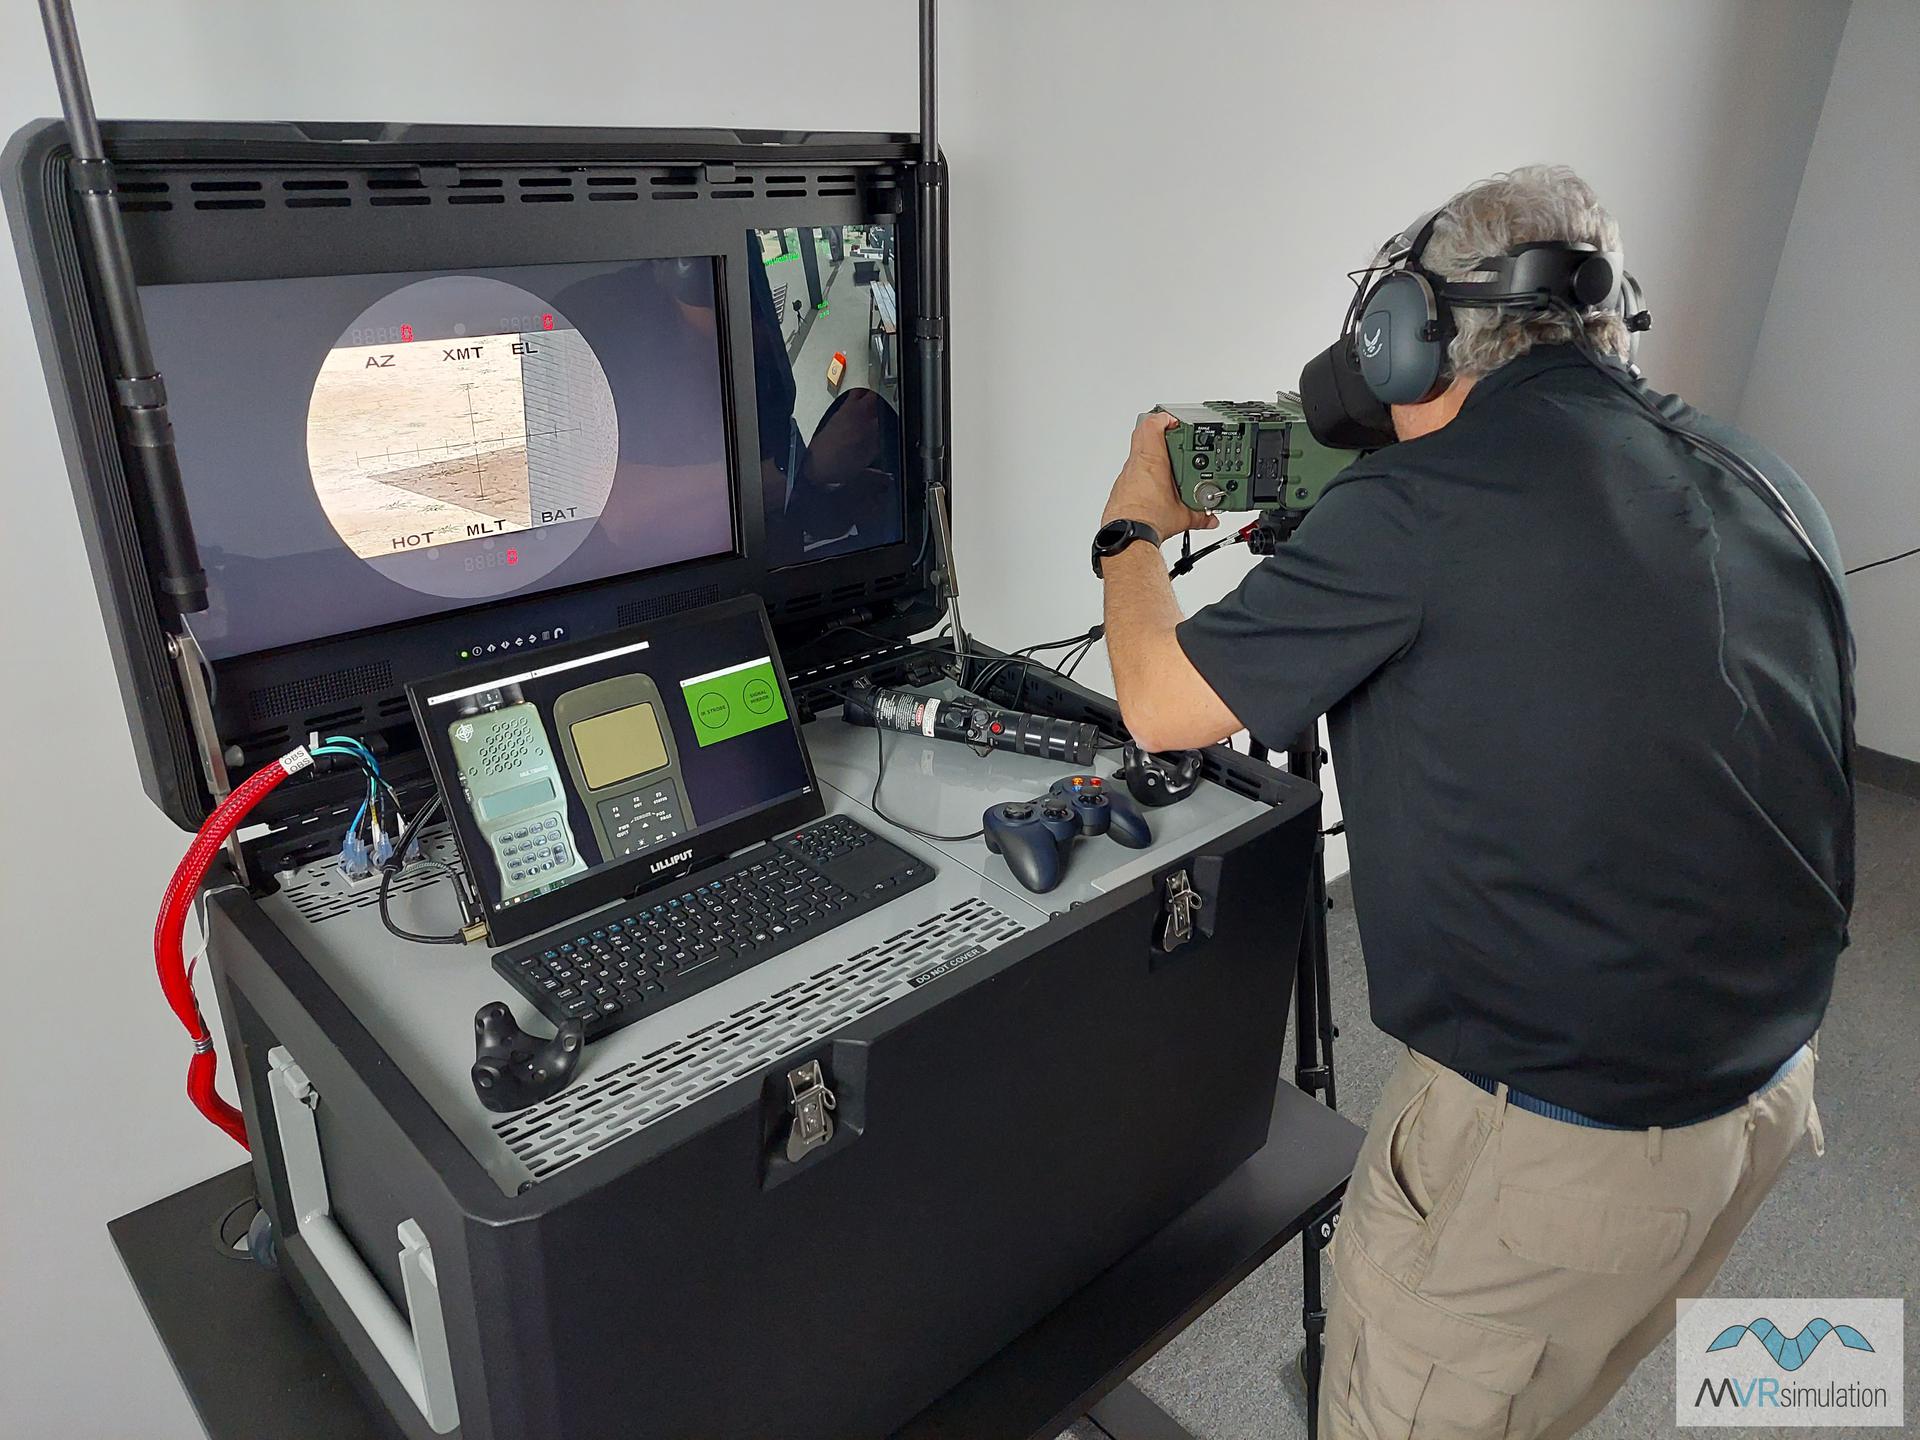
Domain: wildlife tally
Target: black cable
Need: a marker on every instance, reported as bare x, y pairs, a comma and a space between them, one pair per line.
873, 800
409, 837
1888, 560
1070, 664
1769, 495
892, 640
1024, 658
1748, 473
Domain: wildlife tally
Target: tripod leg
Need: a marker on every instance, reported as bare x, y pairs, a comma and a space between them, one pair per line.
1314, 1034
1315, 954
1314, 1030
1313, 1311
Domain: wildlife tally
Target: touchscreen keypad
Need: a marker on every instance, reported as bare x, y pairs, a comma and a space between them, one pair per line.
538, 847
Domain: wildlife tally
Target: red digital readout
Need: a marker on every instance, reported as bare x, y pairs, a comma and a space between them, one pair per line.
513, 557
546, 322
406, 333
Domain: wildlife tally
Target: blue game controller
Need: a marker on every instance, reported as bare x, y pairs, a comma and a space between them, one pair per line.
1033, 835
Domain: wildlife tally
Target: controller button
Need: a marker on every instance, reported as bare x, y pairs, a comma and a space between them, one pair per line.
996, 727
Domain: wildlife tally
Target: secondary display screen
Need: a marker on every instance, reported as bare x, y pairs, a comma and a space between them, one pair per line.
826, 362
573, 762
365, 449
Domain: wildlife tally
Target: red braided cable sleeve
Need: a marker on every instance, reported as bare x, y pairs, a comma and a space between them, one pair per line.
175, 982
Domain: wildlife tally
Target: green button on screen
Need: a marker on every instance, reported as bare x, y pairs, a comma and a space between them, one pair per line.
731, 702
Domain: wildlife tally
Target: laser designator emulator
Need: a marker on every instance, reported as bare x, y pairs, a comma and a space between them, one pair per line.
1249, 455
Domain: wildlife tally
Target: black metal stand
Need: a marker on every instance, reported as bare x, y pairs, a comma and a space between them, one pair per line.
1314, 1034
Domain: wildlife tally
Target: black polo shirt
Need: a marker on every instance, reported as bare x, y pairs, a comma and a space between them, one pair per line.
1586, 721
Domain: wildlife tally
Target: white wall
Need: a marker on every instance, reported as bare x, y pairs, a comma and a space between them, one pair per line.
1148, 205
1832, 382
1186, 196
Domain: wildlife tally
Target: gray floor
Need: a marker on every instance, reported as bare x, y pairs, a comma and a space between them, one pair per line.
1842, 1225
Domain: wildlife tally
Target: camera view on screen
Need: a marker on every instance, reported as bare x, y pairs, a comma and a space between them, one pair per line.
364, 449
601, 755
442, 438
826, 350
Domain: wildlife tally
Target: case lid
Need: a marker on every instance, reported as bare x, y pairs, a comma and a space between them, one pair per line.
245, 201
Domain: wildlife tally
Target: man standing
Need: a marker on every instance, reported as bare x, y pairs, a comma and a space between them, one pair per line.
1588, 715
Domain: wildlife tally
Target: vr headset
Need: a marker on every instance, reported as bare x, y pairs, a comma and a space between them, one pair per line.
1392, 348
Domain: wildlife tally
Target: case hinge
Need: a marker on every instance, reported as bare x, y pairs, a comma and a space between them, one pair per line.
810, 1104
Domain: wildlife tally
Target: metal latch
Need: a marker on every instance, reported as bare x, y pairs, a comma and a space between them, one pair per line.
1183, 906
811, 1104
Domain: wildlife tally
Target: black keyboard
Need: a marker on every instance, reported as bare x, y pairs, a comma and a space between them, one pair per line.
640, 956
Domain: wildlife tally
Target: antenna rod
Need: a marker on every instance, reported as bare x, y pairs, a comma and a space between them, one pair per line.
931, 327
929, 81
932, 324
160, 498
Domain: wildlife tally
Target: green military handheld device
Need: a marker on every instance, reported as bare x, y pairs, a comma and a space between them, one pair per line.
1249, 455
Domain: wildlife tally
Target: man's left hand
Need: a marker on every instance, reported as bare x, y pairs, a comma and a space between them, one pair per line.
1145, 489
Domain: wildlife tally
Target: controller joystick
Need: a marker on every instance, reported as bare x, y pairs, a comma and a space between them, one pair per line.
512, 1069
1033, 836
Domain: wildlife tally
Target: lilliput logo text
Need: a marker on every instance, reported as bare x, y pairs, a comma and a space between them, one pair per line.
1781, 1362
678, 857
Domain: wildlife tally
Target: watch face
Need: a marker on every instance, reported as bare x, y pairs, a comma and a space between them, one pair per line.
1116, 535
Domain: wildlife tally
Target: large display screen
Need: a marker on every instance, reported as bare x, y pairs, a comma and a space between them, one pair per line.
566, 764
826, 360
365, 449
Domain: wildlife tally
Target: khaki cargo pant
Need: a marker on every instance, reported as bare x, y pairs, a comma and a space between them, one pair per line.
1498, 1275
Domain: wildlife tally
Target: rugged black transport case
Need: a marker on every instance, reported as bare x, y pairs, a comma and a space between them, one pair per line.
1013, 1115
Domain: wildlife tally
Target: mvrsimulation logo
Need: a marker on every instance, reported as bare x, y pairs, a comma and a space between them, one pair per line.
1790, 1353
1763, 1363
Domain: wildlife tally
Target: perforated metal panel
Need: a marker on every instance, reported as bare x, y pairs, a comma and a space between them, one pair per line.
635, 612
321, 892
626, 1099
298, 696
149, 190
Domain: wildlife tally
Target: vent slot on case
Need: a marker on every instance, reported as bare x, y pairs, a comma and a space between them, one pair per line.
320, 188
579, 1122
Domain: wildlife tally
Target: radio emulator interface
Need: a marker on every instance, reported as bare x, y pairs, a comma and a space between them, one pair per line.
588, 771
623, 761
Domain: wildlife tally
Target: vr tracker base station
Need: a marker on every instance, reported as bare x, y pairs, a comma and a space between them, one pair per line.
608, 1255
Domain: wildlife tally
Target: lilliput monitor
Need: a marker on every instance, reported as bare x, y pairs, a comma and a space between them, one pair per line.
589, 772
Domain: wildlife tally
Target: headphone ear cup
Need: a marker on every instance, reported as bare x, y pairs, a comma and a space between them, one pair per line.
1401, 341
1594, 281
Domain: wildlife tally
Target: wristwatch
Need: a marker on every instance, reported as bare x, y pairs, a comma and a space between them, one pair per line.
1117, 535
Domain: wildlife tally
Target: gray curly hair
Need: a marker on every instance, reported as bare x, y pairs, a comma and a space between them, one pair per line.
1534, 202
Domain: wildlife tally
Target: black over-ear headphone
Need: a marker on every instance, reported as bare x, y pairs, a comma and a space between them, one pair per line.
1392, 350
1400, 328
